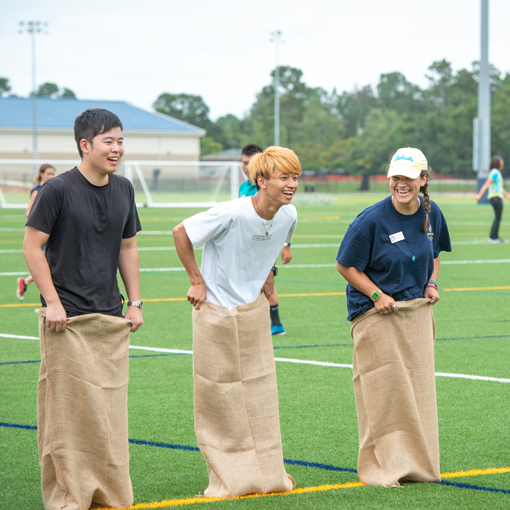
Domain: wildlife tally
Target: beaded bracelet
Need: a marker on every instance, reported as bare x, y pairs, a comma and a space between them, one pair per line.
431, 285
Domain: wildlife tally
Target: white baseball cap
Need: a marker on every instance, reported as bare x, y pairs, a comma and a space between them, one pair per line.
408, 162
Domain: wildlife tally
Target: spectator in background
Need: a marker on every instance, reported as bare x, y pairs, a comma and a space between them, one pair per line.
495, 185
45, 173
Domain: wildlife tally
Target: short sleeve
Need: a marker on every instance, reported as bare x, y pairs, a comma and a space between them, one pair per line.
46, 209
132, 225
442, 237
291, 232
206, 225
494, 174
355, 250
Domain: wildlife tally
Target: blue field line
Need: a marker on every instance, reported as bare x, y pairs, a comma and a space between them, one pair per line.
473, 337
316, 465
140, 356
473, 487
165, 445
309, 346
17, 426
327, 467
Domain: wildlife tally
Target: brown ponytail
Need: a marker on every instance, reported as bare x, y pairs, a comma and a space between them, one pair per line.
426, 199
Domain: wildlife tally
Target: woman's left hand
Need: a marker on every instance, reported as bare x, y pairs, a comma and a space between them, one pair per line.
432, 295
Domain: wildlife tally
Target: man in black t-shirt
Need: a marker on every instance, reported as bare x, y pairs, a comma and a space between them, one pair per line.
88, 220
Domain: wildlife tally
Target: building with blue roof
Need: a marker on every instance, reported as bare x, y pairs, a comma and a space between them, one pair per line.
148, 136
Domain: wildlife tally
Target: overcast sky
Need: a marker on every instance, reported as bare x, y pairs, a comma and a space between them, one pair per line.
221, 50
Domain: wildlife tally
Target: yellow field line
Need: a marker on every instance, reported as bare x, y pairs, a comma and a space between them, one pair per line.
301, 490
476, 288
304, 294
477, 472
201, 499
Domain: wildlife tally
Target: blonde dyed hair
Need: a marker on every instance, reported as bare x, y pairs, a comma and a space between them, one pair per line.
273, 159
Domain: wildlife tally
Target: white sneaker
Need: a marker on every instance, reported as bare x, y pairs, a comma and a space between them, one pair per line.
498, 240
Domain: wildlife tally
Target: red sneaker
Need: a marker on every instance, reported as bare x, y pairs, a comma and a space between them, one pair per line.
20, 290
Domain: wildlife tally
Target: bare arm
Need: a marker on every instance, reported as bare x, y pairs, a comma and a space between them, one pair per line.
484, 188
197, 293
286, 254
430, 292
362, 282
56, 316
129, 272
30, 203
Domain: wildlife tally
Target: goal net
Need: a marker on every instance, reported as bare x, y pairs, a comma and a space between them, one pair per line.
156, 183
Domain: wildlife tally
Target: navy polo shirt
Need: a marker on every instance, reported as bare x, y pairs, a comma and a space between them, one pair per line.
381, 242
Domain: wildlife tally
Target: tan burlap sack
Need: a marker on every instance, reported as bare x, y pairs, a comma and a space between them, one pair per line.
82, 413
395, 390
236, 400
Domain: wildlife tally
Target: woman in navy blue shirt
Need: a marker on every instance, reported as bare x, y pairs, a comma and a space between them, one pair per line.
390, 259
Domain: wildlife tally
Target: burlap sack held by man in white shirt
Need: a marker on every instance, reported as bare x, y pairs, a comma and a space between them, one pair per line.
235, 396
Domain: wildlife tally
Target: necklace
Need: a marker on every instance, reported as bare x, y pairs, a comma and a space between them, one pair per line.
266, 228
413, 248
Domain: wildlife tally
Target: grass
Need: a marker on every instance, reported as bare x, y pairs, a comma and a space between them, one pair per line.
318, 415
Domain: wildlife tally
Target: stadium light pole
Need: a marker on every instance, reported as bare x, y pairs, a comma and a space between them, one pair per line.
275, 37
33, 28
482, 123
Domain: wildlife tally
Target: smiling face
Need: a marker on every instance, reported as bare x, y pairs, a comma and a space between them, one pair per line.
105, 151
280, 188
405, 192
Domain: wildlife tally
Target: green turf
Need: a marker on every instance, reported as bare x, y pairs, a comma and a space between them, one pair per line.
318, 415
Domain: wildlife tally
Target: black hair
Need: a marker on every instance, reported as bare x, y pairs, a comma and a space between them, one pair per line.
251, 149
93, 122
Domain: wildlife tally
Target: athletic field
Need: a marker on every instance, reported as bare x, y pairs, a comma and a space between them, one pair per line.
318, 416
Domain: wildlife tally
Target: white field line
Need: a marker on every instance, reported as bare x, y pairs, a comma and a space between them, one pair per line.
288, 360
293, 266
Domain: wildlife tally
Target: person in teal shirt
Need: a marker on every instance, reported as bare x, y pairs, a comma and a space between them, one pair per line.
249, 189
494, 184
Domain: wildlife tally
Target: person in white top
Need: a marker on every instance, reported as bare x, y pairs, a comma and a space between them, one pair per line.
236, 401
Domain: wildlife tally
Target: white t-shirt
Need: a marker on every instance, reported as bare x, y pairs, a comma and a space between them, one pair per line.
238, 254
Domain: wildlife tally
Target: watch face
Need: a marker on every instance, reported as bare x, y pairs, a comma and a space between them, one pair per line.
376, 296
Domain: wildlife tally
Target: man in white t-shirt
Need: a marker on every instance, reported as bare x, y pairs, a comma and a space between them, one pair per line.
236, 400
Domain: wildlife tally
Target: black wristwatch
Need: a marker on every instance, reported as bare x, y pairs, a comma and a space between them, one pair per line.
275, 270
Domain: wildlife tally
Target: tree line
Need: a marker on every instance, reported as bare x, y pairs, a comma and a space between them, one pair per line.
358, 131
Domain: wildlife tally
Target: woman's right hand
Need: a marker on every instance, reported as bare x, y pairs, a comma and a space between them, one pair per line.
385, 304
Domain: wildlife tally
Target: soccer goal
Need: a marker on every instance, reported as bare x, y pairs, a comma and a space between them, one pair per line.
156, 183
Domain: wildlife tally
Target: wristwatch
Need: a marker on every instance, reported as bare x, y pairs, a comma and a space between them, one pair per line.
376, 295
275, 270
138, 304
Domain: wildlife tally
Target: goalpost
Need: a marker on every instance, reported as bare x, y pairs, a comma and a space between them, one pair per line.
157, 183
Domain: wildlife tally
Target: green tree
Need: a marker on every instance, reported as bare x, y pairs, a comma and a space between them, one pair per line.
67, 93
4, 86
353, 108
187, 107
209, 146
395, 93
440, 78
47, 90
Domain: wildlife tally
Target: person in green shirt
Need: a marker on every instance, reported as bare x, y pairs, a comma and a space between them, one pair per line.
494, 184
249, 189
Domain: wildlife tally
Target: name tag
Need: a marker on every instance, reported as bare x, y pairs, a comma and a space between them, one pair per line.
261, 238
395, 238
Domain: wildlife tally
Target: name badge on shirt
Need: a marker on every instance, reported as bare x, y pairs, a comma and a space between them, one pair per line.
395, 238
261, 238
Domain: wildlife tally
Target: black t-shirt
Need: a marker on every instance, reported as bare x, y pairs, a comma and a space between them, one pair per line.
86, 225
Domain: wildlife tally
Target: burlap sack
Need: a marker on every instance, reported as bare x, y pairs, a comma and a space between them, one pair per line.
82, 413
395, 390
237, 420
